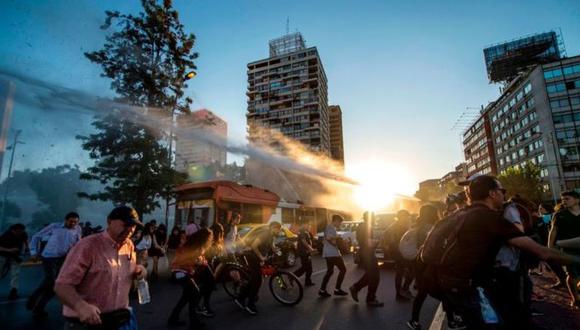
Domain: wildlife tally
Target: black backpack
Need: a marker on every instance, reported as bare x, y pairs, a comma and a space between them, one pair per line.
442, 238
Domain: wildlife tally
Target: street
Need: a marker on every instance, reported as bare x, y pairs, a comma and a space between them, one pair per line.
312, 313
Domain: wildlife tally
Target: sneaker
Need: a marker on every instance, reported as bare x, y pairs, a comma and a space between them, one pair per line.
353, 293
375, 303
324, 293
206, 312
339, 292
251, 309
414, 325
240, 303
13, 295
535, 312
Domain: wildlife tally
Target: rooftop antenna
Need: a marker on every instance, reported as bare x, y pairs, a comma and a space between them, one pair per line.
287, 25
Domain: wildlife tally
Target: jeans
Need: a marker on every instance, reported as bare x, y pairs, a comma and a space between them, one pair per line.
305, 268
371, 276
466, 303
403, 274
45, 291
331, 262
14, 270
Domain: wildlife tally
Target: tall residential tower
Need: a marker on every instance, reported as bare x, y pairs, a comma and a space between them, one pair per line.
287, 92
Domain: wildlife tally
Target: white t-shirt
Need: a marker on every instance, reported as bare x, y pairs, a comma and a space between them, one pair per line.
509, 256
230, 239
329, 250
144, 244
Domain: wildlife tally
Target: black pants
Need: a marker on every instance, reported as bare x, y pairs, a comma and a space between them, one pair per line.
206, 283
466, 303
371, 277
190, 296
250, 292
509, 296
404, 274
305, 268
45, 291
331, 262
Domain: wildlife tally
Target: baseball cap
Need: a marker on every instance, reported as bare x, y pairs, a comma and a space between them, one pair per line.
126, 214
468, 181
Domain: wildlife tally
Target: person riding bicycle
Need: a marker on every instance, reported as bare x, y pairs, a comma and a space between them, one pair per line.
259, 246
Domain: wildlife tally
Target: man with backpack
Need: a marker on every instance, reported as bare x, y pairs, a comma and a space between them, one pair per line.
403, 267
371, 277
462, 248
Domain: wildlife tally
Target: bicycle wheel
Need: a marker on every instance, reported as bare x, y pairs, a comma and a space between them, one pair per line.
234, 278
286, 288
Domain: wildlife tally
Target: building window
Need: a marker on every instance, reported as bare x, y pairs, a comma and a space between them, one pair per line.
527, 88
562, 118
556, 88
555, 73
572, 69
559, 103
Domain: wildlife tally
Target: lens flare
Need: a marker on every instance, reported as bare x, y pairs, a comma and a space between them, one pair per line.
379, 183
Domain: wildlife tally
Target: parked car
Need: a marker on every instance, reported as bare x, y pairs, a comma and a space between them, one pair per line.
286, 240
347, 232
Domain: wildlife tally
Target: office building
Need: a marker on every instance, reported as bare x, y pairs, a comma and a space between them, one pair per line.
537, 119
478, 146
287, 92
336, 138
194, 153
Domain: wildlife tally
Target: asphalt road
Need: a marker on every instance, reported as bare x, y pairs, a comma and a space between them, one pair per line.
312, 313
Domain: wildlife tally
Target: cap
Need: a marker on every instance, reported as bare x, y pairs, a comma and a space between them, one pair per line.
126, 214
471, 178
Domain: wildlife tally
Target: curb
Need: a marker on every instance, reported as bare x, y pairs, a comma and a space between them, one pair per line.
438, 322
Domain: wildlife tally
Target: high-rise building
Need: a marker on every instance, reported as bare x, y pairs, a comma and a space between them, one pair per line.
478, 146
287, 92
537, 120
191, 152
336, 138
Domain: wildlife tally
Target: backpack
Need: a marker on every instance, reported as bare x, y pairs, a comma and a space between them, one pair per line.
442, 238
408, 246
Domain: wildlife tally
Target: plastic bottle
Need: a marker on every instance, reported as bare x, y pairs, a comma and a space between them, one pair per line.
143, 292
487, 312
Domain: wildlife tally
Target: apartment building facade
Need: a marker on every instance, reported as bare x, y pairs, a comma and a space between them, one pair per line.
336, 136
288, 92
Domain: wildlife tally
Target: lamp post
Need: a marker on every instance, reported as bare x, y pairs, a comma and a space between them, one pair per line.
4, 200
189, 75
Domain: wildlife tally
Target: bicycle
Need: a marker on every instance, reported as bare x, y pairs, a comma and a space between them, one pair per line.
284, 286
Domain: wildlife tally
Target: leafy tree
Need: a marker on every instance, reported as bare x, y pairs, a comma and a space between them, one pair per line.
147, 58
524, 180
57, 187
11, 210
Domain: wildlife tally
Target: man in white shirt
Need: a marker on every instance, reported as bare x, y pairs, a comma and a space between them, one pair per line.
333, 257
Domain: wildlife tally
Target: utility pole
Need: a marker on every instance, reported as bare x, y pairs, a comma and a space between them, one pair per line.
4, 200
5, 117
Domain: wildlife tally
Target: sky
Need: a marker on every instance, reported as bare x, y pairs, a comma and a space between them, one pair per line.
403, 72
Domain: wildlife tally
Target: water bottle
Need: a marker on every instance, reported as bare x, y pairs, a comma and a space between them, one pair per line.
487, 311
143, 292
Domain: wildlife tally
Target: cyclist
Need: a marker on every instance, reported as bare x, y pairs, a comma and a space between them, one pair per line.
259, 246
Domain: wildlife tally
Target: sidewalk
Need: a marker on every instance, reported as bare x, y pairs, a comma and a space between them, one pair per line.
554, 303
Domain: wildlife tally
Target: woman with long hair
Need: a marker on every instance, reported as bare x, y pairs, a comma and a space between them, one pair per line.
188, 258
158, 247
173, 243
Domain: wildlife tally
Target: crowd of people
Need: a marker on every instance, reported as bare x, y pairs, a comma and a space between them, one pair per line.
475, 256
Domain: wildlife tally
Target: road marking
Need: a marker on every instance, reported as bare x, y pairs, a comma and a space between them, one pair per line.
437, 323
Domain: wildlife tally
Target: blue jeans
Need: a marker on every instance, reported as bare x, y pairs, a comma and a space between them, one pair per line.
45, 291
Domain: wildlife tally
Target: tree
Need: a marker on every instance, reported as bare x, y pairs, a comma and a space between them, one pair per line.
57, 187
524, 180
147, 58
